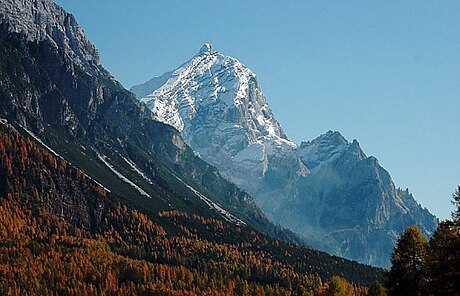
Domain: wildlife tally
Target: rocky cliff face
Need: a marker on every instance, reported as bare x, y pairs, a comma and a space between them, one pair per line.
42, 20
326, 190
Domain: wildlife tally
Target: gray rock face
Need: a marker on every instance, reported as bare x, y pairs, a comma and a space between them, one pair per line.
53, 32
326, 190
40, 20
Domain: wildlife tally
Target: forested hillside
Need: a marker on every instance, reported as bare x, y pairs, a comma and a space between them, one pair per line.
102, 246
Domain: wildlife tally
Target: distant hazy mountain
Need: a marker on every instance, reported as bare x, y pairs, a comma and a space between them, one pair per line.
326, 190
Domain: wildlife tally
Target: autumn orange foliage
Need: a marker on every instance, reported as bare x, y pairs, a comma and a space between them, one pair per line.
62, 234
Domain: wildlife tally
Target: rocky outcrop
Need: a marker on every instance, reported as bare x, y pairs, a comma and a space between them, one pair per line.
40, 20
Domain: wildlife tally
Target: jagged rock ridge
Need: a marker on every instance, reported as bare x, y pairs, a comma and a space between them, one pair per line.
40, 20
327, 190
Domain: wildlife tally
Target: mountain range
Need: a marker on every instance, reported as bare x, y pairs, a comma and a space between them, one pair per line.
94, 186
69, 102
327, 190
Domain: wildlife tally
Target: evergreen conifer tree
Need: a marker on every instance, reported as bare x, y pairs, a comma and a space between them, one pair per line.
406, 276
443, 255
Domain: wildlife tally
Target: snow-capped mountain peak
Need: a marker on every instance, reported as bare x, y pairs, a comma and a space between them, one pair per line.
212, 98
206, 49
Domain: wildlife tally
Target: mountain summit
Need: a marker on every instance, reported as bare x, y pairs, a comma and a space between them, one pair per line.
206, 49
216, 103
213, 83
327, 190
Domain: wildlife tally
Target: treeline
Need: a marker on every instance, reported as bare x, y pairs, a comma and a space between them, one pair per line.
62, 234
421, 267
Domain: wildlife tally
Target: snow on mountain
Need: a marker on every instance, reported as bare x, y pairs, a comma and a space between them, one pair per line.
214, 83
214, 206
325, 149
216, 103
104, 159
326, 190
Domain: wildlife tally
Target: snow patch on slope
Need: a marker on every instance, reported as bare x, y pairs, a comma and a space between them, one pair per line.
212, 205
103, 158
41, 142
5, 122
136, 169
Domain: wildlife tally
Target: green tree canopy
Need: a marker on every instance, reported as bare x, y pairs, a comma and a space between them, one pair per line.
406, 276
443, 260
432, 268
339, 287
443, 254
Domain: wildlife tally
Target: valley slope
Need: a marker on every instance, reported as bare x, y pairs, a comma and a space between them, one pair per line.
82, 239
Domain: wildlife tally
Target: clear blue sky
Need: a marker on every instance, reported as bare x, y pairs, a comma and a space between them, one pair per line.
386, 73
